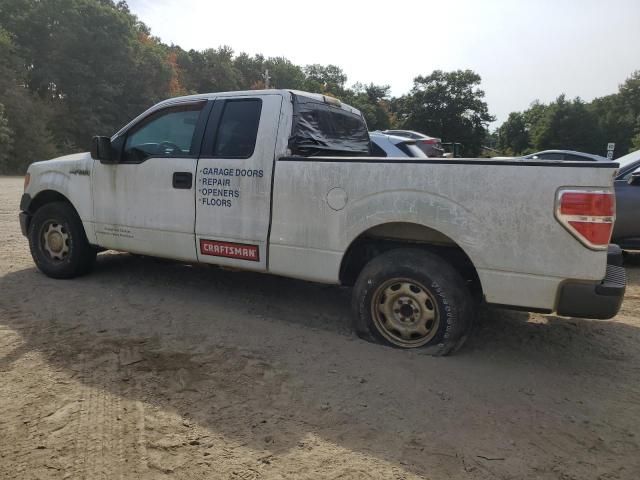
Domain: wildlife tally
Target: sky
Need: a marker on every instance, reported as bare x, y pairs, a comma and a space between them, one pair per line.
523, 50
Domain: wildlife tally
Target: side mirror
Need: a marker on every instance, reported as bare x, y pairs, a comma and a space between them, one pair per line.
101, 150
634, 178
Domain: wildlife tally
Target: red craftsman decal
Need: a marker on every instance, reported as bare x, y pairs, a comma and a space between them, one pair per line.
241, 251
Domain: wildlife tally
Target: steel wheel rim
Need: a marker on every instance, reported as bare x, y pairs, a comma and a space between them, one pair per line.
55, 240
405, 312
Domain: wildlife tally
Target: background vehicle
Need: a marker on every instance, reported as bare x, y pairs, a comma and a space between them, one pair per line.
452, 149
432, 146
566, 155
626, 231
383, 145
283, 182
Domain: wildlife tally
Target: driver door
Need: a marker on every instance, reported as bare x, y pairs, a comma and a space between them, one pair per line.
145, 203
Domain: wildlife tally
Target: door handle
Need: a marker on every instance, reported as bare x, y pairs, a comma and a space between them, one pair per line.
182, 180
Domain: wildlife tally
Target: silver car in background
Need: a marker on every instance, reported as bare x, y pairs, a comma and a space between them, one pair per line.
383, 145
431, 146
566, 155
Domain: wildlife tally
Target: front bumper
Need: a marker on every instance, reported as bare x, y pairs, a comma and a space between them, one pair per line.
596, 300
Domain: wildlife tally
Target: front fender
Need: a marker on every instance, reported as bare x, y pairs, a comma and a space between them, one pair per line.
69, 177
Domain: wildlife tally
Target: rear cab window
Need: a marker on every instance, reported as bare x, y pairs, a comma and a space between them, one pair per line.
321, 128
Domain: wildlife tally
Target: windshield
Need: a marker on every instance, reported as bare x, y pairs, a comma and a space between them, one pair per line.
628, 159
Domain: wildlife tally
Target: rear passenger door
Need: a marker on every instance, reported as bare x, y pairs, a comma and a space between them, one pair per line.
233, 181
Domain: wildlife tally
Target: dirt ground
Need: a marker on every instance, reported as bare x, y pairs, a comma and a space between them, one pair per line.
151, 369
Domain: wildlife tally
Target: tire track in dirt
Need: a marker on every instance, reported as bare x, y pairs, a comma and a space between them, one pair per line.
109, 431
76, 426
27, 420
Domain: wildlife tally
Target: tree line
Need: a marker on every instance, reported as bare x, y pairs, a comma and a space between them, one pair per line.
576, 125
72, 69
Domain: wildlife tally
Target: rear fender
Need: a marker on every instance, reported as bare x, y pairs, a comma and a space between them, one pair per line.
409, 206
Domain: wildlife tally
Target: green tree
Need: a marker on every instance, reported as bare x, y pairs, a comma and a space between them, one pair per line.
284, 74
574, 124
250, 70
491, 147
328, 79
635, 142
6, 140
616, 123
566, 124
85, 59
212, 70
513, 135
373, 101
629, 91
619, 115
449, 105
24, 117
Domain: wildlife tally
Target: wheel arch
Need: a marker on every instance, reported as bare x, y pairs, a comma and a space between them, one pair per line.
387, 236
44, 197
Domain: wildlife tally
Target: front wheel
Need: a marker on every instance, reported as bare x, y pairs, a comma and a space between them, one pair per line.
58, 243
409, 298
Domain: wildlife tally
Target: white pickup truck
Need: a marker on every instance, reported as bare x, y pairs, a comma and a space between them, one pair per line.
283, 182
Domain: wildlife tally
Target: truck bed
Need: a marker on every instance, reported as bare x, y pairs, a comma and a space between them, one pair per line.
499, 212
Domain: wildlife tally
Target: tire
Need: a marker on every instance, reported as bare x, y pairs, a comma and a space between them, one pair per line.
409, 298
58, 243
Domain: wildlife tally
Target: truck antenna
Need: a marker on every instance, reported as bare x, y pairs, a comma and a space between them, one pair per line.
267, 78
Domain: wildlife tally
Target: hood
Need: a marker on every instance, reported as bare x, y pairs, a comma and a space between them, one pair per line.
73, 158
76, 163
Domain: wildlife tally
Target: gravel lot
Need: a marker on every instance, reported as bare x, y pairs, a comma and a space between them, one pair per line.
152, 369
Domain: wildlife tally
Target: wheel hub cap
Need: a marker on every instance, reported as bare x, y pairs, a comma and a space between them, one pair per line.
405, 313
56, 241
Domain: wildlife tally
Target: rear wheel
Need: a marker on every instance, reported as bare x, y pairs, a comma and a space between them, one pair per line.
58, 243
409, 298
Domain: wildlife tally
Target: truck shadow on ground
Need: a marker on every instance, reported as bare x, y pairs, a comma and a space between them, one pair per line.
267, 361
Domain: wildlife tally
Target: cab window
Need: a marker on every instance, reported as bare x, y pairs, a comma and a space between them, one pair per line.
167, 133
238, 130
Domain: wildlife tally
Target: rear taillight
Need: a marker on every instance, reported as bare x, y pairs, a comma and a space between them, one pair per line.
430, 141
588, 215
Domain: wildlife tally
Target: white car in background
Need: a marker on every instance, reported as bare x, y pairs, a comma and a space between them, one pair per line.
383, 145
